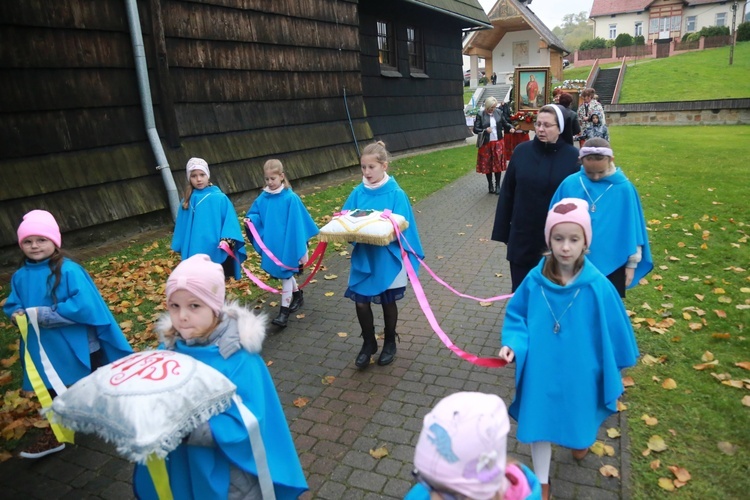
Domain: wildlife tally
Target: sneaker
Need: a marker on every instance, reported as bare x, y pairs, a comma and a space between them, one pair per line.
46, 444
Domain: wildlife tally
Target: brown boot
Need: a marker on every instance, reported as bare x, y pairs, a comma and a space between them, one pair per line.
580, 454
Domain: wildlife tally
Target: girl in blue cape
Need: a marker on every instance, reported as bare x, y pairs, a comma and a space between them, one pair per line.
76, 328
568, 331
285, 226
621, 250
206, 218
217, 459
377, 272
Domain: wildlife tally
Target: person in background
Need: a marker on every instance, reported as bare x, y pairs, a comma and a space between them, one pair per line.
461, 453
587, 108
285, 226
536, 169
572, 128
207, 217
489, 125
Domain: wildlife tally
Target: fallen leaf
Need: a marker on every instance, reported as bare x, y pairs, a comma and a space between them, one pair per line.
727, 448
329, 294
269, 363
6, 377
703, 366
720, 335
649, 420
342, 334
300, 315
330, 276
609, 471
485, 304
656, 443
613, 433
666, 483
621, 406
707, 356
699, 297
650, 360
273, 304
655, 464
379, 452
720, 313
746, 400
681, 474
737, 384
725, 300
301, 402
328, 380
743, 364
597, 448
669, 384
628, 382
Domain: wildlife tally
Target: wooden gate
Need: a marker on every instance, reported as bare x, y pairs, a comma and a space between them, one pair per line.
662, 47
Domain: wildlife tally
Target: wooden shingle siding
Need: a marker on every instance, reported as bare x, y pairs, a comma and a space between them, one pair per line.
247, 80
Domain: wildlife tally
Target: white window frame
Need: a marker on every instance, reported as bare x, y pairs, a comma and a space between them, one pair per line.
723, 17
613, 31
690, 23
676, 23
638, 28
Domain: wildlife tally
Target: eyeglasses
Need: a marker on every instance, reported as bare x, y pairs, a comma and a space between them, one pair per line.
544, 125
443, 494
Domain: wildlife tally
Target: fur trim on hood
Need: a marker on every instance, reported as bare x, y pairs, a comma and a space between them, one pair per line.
251, 327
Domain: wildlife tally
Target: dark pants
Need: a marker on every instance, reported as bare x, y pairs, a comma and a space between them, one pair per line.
517, 274
617, 277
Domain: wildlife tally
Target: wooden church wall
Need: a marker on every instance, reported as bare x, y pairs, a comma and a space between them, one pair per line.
408, 112
233, 81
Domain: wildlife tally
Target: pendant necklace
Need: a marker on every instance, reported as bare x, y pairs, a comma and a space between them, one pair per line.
592, 208
557, 327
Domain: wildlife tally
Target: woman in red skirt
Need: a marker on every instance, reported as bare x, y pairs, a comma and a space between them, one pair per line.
489, 126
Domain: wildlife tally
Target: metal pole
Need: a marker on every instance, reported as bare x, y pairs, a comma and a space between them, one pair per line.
734, 20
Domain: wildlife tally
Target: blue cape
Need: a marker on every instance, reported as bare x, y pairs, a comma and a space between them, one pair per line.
567, 383
618, 224
200, 227
78, 300
419, 492
373, 267
285, 226
198, 472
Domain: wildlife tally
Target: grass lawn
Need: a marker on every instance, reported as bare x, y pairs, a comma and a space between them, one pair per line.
692, 309
692, 76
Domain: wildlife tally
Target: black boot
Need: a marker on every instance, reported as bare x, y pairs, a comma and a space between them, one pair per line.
497, 182
489, 183
297, 301
283, 318
369, 347
389, 349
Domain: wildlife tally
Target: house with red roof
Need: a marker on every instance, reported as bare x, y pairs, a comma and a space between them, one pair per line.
661, 19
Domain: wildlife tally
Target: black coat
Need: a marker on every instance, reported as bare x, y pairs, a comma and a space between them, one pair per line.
482, 122
572, 127
535, 171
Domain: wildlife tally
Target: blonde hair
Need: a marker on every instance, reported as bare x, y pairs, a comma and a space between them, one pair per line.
188, 193
274, 166
378, 150
490, 102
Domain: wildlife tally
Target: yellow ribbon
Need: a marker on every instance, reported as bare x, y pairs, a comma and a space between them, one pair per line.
62, 434
157, 468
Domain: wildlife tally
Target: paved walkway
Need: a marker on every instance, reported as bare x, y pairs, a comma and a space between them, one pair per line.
377, 407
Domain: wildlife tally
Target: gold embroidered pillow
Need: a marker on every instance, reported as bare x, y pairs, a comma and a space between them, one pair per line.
362, 226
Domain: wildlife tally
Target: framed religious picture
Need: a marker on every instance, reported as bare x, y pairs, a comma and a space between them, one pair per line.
532, 87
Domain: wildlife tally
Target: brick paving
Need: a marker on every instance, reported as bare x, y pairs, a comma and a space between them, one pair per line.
380, 406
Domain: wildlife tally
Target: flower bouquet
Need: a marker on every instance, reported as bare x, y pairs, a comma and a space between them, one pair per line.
523, 120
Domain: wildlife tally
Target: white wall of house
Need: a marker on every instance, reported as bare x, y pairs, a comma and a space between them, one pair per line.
502, 55
693, 19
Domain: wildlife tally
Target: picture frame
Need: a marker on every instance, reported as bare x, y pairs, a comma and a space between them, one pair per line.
532, 87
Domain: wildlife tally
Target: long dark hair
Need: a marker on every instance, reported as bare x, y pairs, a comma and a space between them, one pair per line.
55, 269
551, 268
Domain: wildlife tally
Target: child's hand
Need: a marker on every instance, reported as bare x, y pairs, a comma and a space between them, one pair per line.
20, 312
629, 273
507, 354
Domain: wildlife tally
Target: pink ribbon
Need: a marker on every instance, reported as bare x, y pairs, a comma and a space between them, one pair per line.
427, 310
317, 258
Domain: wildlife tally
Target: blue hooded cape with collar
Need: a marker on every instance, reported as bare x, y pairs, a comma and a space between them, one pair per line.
285, 226
199, 472
78, 300
618, 223
200, 227
567, 383
373, 268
